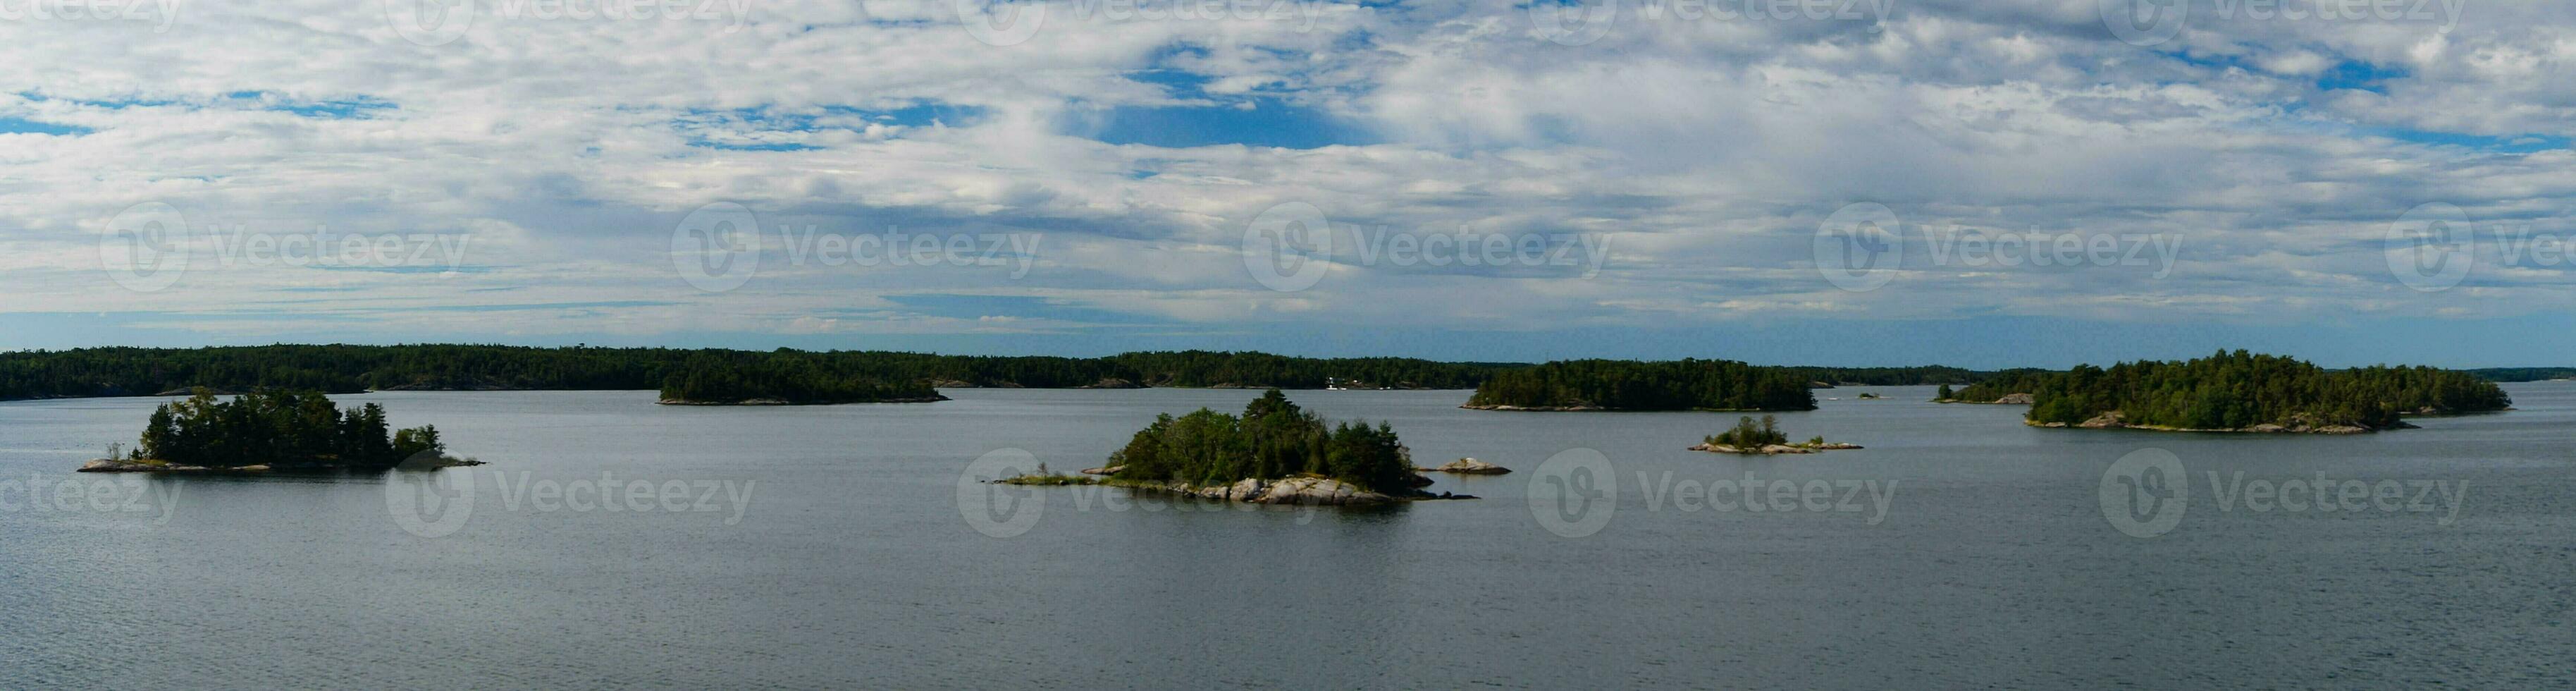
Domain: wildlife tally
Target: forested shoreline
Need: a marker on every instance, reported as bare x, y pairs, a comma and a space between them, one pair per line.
733, 375
2242, 391
797, 376
1625, 385
697, 374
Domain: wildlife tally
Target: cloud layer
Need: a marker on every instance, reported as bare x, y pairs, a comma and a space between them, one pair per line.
1683, 155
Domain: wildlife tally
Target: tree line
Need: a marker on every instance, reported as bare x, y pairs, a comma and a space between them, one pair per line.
279, 428
355, 368
1273, 439
2233, 390
1631, 385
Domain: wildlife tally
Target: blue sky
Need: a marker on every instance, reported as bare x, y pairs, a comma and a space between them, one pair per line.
1986, 184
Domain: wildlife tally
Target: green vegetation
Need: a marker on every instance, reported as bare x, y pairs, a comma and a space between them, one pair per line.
1045, 478
1273, 439
1945, 394
1629, 385
284, 429
1748, 435
2240, 390
1998, 385
849, 375
2523, 374
1887, 376
784, 377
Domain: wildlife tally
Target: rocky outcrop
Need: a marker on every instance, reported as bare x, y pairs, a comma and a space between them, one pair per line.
2007, 399
1304, 490
106, 465
780, 401
2296, 425
1467, 466
1104, 470
1112, 383
1774, 449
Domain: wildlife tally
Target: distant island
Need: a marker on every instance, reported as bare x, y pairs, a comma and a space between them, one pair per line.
1763, 439
2241, 392
1621, 385
274, 430
785, 379
1275, 453
90, 372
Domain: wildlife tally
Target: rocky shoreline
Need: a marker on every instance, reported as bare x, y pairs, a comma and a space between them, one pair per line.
2008, 399
2114, 420
1775, 449
112, 465
781, 401
1467, 466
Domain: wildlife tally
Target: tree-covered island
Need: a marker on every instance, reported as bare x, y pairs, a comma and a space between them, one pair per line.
2241, 392
1611, 385
1763, 439
1275, 453
275, 430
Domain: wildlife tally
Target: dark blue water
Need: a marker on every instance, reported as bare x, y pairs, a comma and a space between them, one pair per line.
836, 547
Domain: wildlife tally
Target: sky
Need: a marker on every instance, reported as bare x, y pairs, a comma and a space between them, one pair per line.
1981, 183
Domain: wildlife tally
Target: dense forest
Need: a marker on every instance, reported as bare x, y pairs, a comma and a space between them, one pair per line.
1629, 385
1889, 376
283, 429
355, 368
725, 377
2523, 374
1996, 385
2239, 390
1274, 439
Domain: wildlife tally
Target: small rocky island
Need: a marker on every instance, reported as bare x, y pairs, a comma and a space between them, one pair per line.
1275, 453
1467, 466
274, 431
1749, 438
